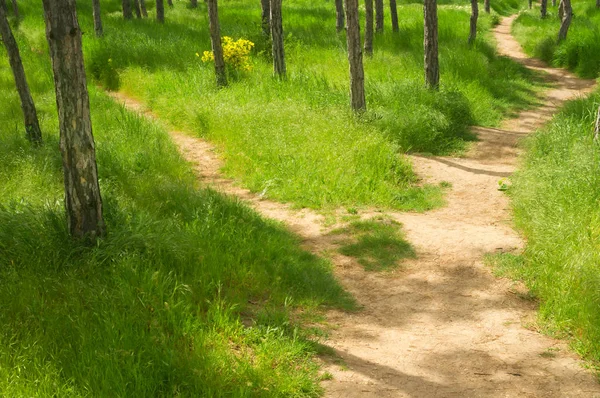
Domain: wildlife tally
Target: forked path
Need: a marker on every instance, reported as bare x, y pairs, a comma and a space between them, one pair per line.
442, 325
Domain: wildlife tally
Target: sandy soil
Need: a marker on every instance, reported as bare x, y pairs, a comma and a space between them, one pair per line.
442, 325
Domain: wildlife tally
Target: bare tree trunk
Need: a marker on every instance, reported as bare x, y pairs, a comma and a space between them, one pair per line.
340, 16
143, 8
215, 38
127, 14
170, 3
486, 4
379, 16
474, 16
137, 9
355, 59
160, 11
32, 127
394, 14
97, 18
430, 44
597, 3
279, 68
530, 4
561, 10
15, 8
544, 8
266, 17
553, 3
82, 192
566, 20
194, 3
368, 27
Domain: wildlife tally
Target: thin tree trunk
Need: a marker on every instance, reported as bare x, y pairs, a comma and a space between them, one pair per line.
143, 8
215, 38
340, 16
544, 8
430, 43
170, 3
266, 17
368, 27
379, 16
487, 7
32, 127
82, 192
597, 3
355, 58
530, 4
15, 8
279, 68
160, 11
137, 9
194, 3
127, 14
97, 18
553, 3
394, 14
566, 20
474, 16
561, 10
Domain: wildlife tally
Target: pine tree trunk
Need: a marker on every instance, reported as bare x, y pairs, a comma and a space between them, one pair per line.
15, 8
215, 38
194, 3
82, 192
32, 127
561, 10
137, 9
530, 4
553, 3
97, 18
432, 68
143, 8
160, 11
127, 14
355, 58
566, 20
394, 14
544, 8
597, 3
474, 16
379, 16
266, 17
486, 4
279, 68
340, 16
368, 27
169, 3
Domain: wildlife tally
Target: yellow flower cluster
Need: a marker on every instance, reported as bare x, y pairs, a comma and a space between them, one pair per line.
235, 52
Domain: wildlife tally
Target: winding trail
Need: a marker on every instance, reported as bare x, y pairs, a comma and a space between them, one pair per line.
442, 325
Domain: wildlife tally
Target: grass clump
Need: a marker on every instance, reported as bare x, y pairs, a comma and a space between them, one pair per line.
556, 197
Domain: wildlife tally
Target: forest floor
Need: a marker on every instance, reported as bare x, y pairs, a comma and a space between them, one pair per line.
441, 325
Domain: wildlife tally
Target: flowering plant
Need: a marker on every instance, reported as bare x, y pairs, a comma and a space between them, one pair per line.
235, 52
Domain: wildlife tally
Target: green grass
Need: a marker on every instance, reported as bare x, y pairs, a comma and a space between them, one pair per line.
297, 141
556, 200
580, 52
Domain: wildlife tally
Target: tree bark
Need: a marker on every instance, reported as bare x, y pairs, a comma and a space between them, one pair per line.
279, 68
32, 127
430, 44
194, 3
368, 27
544, 8
379, 16
170, 3
566, 20
82, 192
143, 8
127, 14
530, 4
97, 18
355, 58
215, 38
15, 8
137, 9
561, 10
474, 16
394, 15
487, 7
340, 16
160, 11
266, 17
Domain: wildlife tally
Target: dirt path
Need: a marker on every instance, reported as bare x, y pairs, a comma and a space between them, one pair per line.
442, 325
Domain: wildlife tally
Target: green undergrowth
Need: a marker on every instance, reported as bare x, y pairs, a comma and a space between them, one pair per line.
296, 140
580, 52
556, 199
190, 294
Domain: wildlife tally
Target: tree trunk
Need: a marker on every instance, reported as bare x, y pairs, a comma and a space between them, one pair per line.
561, 10
340, 16
368, 27
160, 11
137, 9
194, 3
32, 127
379, 16
215, 38
97, 18
597, 3
566, 20
266, 17
15, 8
82, 192
355, 59
430, 43
474, 16
544, 8
279, 68
597, 126
553, 3
143, 8
127, 14
530, 4
486, 4
394, 14
170, 3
